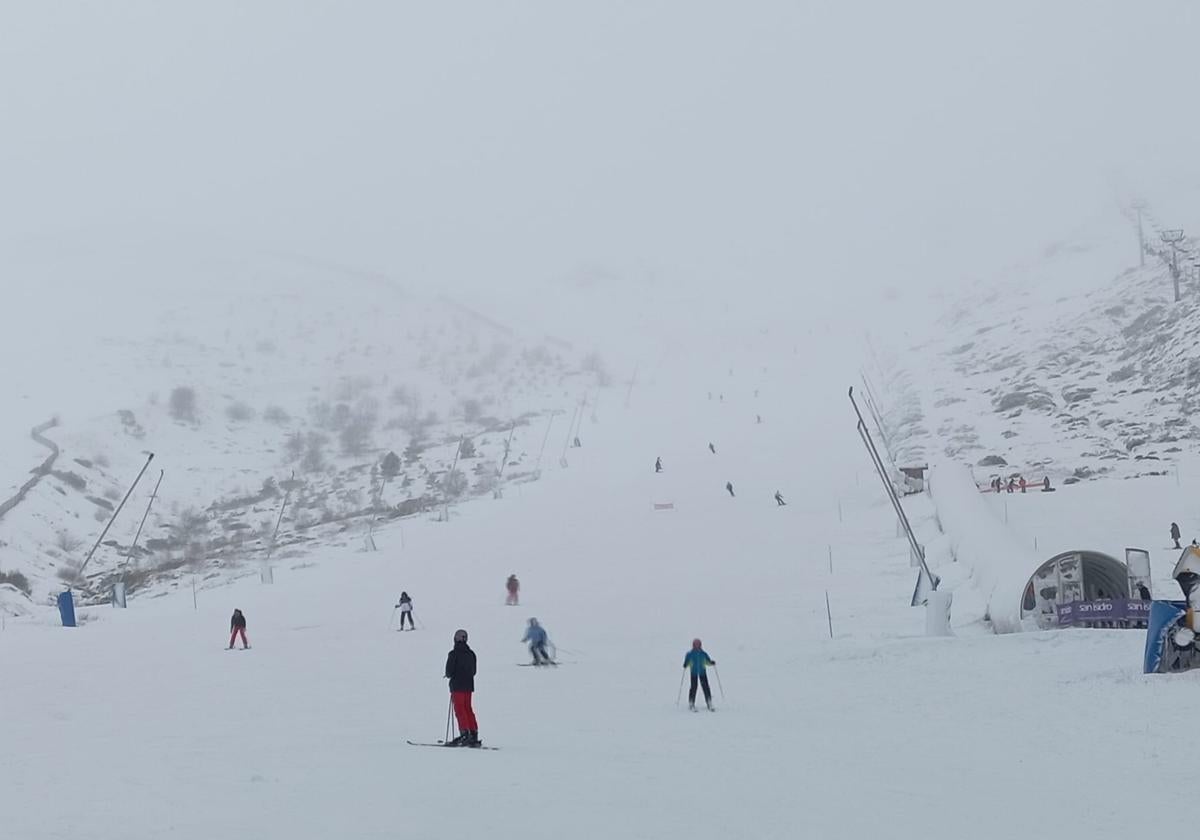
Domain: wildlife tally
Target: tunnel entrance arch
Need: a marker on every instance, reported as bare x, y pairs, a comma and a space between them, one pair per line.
1069, 577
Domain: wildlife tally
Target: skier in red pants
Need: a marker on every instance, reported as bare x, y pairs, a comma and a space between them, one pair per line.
237, 626
460, 670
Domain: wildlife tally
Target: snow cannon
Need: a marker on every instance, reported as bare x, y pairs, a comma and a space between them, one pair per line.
1171, 630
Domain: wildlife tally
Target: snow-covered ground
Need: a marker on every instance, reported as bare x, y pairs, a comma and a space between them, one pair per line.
139, 724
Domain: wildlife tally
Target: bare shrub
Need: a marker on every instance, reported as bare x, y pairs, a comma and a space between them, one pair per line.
18, 580
466, 449
239, 412
455, 483
66, 542
182, 405
314, 452
276, 416
592, 363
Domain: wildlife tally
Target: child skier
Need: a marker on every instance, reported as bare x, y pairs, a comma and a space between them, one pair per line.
237, 627
698, 660
460, 670
658, 465
405, 607
535, 634
513, 587
779, 502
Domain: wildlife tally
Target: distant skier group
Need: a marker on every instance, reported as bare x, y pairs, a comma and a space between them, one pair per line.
779, 502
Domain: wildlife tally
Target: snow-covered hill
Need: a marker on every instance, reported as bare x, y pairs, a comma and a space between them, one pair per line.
263, 380
1075, 365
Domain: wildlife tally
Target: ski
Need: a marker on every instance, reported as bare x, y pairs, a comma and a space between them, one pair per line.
533, 665
452, 746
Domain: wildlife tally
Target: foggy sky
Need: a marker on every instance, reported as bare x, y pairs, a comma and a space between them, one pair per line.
810, 147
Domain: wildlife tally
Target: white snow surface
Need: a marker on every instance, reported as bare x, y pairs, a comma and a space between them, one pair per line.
140, 724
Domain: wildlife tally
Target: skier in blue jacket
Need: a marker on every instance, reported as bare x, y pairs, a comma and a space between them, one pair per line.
698, 660
535, 634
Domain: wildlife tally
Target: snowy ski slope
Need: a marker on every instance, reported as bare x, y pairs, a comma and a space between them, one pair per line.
139, 724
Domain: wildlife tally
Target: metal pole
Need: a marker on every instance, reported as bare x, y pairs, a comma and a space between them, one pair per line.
507, 449
679, 694
545, 438
279, 521
1141, 236
100, 539
881, 470
142, 524
831, 559
828, 613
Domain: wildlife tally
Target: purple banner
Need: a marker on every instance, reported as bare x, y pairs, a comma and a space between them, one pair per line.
1107, 611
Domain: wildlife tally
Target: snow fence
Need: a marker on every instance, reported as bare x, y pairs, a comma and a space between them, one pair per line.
999, 566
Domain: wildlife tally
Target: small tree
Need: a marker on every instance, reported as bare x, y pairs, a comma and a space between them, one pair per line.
467, 448
412, 452
314, 453
276, 415
455, 483
390, 466
182, 405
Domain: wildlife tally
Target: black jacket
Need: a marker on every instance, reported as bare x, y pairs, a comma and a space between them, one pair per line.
237, 621
1174, 531
460, 668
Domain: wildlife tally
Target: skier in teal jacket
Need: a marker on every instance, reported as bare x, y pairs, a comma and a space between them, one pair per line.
698, 660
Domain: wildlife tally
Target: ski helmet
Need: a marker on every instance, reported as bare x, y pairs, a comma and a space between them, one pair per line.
460, 635
533, 622
695, 644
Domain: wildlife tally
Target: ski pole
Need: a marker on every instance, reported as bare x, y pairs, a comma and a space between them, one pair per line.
679, 694
392, 618
449, 711
718, 673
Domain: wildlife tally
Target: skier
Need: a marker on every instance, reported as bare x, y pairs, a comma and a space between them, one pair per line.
237, 627
1012, 484
405, 607
712, 448
698, 660
729, 487
1175, 535
779, 499
514, 588
535, 634
460, 670
658, 465
1046, 484
1144, 592
1023, 483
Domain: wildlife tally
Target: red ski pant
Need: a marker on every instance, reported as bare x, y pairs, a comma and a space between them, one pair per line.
236, 632
511, 600
463, 712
